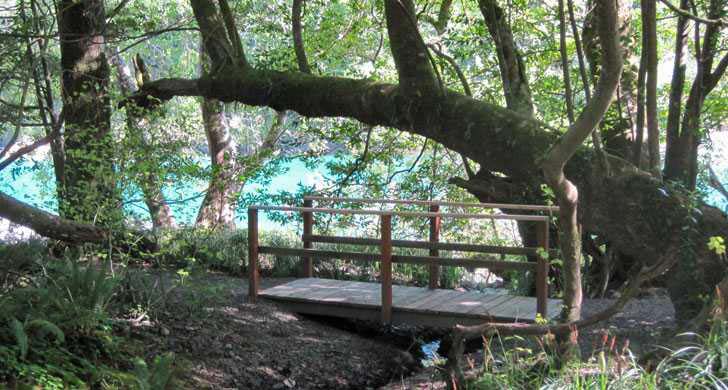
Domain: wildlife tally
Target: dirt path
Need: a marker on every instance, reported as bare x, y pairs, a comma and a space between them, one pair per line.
223, 343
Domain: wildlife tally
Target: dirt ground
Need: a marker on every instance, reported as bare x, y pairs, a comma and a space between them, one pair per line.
222, 342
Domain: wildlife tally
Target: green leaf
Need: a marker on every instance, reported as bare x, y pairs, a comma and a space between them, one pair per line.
717, 245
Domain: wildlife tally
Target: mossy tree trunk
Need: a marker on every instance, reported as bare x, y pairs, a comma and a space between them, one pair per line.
90, 191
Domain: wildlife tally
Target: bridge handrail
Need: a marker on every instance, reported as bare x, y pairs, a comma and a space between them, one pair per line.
325, 210
506, 206
386, 244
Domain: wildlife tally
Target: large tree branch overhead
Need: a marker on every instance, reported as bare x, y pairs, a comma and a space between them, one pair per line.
453, 119
628, 208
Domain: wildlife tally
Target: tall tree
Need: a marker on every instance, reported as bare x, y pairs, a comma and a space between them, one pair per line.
91, 193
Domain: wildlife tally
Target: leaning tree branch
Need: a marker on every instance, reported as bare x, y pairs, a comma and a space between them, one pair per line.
416, 71
47, 224
229, 19
696, 18
20, 152
298, 45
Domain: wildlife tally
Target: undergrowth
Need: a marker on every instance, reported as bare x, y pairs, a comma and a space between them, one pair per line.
516, 363
56, 328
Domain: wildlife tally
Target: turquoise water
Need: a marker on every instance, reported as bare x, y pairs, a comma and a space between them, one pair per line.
32, 182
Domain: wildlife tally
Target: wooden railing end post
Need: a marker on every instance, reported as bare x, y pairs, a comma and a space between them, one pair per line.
253, 277
434, 269
386, 267
307, 263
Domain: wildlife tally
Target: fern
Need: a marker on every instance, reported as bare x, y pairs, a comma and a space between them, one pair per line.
159, 377
21, 338
162, 372
44, 328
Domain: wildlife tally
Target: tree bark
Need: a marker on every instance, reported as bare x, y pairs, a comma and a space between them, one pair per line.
510, 61
218, 207
672, 130
49, 225
90, 181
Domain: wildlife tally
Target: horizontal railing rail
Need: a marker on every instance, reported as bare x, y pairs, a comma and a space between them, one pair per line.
416, 214
446, 246
489, 262
505, 206
386, 244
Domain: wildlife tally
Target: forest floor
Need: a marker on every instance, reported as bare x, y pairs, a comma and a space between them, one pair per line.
223, 342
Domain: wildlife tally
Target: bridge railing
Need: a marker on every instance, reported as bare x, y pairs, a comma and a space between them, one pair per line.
386, 243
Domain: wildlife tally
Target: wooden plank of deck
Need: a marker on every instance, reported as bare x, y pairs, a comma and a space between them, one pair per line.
343, 298
468, 302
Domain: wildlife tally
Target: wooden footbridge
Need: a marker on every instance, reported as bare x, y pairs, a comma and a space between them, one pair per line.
396, 304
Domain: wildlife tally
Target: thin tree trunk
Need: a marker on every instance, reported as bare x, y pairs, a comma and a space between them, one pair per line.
510, 61
217, 210
566, 192
640, 121
150, 183
649, 31
298, 37
615, 135
674, 148
565, 64
52, 122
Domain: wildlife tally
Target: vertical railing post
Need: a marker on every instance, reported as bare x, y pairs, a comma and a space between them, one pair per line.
386, 267
542, 269
434, 237
253, 254
307, 263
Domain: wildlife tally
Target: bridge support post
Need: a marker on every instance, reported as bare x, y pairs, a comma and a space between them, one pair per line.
542, 269
253, 277
307, 262
434, 237
386, 267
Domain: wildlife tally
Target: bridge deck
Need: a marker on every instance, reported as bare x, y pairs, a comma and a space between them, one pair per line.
411, 305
